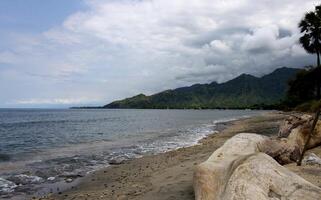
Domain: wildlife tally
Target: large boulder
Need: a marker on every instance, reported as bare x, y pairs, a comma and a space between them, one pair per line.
211, 177
292, 136
260, 177
238, 170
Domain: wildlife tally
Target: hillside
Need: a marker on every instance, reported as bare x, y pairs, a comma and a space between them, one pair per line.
244, 91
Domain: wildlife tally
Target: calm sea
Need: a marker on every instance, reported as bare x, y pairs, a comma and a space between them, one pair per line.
49, 143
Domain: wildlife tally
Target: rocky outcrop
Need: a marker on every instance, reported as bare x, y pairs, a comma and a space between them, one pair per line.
291, 139
212, 176
244, 168
291, 123
260, 177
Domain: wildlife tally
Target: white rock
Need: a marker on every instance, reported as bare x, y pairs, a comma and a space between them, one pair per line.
239, 171
211, 176
68, 180
51, 178
311, 159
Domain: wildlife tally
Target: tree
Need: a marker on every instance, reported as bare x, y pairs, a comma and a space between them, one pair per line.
310, 26
301, 88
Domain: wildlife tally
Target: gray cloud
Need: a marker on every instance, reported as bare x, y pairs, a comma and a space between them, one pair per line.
115, 49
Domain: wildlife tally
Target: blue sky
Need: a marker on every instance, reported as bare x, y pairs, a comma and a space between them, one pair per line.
32, 17
61, 53
35, 15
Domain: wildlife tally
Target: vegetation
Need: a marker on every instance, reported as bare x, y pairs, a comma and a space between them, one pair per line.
304, 90
310, 26
245, 91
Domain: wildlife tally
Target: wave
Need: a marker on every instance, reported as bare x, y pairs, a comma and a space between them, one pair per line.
77, 157
14, 123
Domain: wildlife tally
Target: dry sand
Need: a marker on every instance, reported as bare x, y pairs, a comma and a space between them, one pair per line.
169, 176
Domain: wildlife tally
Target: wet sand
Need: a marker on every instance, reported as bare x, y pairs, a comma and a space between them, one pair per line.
164, 176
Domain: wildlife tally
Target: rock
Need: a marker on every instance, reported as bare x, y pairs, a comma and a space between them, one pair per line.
291, 123
282, 150
116, 161
6, 186
72, 175
211, 176
25, 179
68, 180
238, 170
297, 129
292, 137
260, 177
51, 178
311, 159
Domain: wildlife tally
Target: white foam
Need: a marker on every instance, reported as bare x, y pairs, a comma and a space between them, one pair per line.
25, 179
6, 186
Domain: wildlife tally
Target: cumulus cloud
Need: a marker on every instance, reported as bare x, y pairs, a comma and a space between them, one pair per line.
114, 49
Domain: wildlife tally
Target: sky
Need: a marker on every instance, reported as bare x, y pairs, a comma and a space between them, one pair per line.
62, 53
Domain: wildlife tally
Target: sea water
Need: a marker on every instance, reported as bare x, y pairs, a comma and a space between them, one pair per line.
40, 146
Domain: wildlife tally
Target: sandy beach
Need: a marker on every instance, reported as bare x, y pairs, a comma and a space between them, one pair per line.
169, 175
160, 100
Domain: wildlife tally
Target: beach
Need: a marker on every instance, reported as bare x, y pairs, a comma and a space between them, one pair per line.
51, 150
160, 100
167, 175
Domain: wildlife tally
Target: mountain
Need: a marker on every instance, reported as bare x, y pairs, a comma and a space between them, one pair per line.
244, 91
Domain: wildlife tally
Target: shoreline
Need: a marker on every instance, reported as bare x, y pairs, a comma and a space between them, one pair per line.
62, 186
165, 175
50, 183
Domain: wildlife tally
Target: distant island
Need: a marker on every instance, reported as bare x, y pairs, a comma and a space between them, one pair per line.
242, 92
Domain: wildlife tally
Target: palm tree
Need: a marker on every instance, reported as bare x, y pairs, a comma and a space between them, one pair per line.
310, 26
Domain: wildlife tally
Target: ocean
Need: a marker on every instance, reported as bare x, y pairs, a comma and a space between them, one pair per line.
44, 146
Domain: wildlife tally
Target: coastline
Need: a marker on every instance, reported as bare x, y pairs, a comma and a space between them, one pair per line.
166, 175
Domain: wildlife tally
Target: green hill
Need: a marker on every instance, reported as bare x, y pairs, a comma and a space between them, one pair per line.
244, 91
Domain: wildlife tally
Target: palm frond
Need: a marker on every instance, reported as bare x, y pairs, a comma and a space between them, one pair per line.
310, 27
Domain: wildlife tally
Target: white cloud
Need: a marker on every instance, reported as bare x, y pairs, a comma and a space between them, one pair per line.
115, 49
218, 46
58, 101
7, 57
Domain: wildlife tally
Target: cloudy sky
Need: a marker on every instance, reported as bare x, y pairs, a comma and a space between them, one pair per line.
60, 53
